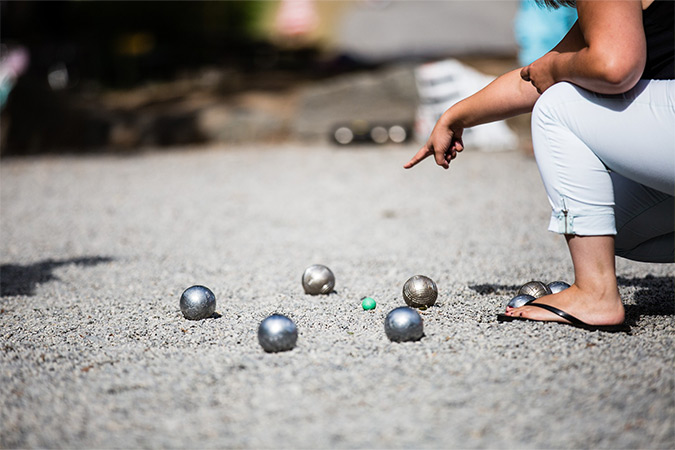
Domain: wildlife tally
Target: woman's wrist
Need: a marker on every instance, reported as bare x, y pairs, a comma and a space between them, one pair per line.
558, 65
564, 67
452, 117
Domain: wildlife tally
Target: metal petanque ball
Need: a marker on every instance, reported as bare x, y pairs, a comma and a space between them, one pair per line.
520, 300
534, 288
197, 302
557, 286
403, 324
420, 291
318, 279
277, 333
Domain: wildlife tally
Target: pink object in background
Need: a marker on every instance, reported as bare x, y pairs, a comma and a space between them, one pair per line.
12, 65
296, 18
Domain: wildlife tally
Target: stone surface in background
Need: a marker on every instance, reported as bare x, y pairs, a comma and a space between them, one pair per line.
214, 107
386, 96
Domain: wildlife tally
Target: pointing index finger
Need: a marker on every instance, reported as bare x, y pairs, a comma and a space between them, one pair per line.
419, 156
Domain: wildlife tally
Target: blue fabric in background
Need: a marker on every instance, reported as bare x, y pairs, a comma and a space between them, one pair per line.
538, 29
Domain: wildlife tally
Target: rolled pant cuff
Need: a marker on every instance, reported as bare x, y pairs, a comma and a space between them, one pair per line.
592, 225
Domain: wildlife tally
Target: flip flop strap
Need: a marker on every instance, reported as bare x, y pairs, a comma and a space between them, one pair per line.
560, 313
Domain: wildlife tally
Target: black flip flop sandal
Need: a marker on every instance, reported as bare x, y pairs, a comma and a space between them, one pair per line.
571, 320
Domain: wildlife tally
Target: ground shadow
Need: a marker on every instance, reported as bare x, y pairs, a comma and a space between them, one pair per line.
654, 297
494, 289
22, 280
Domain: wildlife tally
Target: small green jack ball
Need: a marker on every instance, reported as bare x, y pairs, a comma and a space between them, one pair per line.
368, 303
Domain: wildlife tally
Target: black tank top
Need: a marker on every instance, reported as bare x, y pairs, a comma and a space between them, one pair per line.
658, 21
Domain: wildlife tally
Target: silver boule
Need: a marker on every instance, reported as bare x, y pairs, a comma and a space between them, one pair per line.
519, 300
277, 333
197, 302
557, 286
403, 324
420, 291
318, 279
534, 288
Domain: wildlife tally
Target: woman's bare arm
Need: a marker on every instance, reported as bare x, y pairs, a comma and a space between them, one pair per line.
507, 96
605, 51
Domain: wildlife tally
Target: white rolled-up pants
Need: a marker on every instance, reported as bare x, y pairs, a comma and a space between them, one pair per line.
608, 165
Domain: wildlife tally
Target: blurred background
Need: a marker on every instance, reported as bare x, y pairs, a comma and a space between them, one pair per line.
89, 76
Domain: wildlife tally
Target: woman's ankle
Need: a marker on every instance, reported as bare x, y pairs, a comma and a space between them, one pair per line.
598, 303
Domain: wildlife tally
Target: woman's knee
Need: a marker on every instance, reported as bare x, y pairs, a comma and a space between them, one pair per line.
551, 104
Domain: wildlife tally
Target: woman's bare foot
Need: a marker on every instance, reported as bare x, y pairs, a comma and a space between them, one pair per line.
594, 296
593, 308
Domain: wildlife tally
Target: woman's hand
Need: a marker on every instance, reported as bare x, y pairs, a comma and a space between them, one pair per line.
444, 143
505, 97
541, 72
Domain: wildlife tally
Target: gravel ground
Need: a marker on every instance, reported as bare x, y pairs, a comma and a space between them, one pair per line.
96, 250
